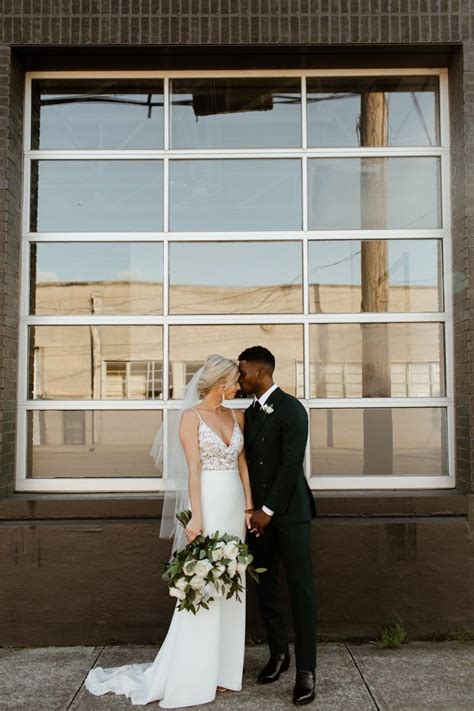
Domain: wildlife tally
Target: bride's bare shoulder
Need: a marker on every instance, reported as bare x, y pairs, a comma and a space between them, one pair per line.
189, 418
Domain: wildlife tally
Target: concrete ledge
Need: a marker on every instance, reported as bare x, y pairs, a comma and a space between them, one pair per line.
20, 506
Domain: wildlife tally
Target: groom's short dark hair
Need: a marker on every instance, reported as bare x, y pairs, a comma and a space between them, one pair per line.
259, 354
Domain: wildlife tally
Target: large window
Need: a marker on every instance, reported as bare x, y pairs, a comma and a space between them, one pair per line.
167, 217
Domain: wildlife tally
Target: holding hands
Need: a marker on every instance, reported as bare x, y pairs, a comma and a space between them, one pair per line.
259, 520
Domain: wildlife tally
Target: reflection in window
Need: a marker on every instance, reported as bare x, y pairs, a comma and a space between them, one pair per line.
377, 360
374, 193
233, 277
92, 443
133, 380
74, 362
236, 113
97, 195
404, 275
96, 278
229, 194
189, 344
373, 111
379, 441
97, 114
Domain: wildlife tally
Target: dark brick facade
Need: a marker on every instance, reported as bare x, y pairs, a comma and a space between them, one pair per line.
59, 553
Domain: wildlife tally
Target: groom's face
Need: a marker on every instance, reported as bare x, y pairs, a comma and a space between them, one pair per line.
250, 377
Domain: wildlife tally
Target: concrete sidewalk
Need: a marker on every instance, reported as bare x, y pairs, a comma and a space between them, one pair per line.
350, 677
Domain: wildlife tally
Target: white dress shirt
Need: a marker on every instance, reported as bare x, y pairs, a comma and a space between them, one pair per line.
262, 400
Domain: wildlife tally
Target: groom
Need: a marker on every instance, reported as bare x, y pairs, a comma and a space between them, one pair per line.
276, 432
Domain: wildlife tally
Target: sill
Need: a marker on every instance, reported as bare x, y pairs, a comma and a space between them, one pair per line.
330, 504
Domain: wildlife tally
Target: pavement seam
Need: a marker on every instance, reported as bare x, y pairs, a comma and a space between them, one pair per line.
82, 682
362, 677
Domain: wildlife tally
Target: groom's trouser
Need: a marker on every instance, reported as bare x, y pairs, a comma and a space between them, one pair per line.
290, 543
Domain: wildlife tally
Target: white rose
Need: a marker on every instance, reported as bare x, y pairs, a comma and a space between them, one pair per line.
202, 567
180, 594
181, 584
217, 554
232, 568
209, 591
197, 583
241, 567
219, 570
189, 566
231, 550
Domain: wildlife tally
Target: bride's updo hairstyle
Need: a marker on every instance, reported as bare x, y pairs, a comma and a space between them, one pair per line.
217, 370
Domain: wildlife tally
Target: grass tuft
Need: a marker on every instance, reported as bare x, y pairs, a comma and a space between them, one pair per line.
392, 635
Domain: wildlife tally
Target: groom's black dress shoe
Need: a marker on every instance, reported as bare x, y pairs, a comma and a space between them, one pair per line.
303, 692
277, 664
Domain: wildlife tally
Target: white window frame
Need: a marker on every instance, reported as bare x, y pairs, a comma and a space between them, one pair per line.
25, 405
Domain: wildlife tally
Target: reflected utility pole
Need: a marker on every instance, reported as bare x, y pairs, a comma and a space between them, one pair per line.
376, 376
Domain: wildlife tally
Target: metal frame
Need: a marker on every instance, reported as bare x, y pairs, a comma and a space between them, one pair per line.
305, 318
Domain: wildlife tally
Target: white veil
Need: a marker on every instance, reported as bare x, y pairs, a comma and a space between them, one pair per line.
169, 455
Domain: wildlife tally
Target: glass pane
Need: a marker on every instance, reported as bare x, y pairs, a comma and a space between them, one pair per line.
96, 362
96, 278
236, 113
189, 346
374, 193
97, 114
92, 443
353, 276
377, 360
230, 277
369, 111
96, 195
379, 442
213, 195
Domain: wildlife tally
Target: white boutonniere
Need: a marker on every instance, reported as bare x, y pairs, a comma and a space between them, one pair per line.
267, 409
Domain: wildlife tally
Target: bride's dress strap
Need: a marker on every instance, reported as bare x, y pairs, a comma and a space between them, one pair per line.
233, 413
197, 413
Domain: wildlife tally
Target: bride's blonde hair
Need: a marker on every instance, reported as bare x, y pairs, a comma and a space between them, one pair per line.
217, 370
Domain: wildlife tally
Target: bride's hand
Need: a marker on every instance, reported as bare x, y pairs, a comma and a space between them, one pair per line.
248, 516
193, 529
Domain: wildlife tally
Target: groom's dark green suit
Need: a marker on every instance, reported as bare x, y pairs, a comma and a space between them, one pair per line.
275, 444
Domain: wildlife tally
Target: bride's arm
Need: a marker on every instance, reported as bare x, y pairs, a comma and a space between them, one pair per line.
188, 434
244, 475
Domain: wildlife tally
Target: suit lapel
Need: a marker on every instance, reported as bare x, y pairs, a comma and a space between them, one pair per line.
262, 416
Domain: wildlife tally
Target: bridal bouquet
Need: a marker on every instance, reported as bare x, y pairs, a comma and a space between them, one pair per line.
208, 568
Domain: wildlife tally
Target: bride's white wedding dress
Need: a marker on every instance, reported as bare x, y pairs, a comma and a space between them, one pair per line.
205, 650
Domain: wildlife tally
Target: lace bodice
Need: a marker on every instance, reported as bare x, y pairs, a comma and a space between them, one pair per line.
213, 450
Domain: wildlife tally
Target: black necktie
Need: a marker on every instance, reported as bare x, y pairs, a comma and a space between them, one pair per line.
255, 410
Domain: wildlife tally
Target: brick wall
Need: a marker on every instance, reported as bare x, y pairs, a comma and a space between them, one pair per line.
11, 121
236, 22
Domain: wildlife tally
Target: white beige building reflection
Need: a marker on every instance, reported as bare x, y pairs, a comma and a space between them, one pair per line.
89, 362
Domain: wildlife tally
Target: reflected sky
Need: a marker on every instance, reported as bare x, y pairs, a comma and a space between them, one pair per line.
412, 193
96, 261
97, 195
201, 263
97, 114
235, 263
339, 262
236, 113
239, 194
335, 110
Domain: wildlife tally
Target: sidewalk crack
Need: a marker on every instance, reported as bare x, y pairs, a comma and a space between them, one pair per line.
82, 682
362, 677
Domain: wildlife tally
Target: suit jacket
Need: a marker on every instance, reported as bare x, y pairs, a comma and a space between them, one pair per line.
275, 445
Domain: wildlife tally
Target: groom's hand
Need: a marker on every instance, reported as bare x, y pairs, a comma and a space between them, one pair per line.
259, 521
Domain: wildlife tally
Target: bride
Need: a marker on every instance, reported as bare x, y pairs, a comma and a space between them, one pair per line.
202, 653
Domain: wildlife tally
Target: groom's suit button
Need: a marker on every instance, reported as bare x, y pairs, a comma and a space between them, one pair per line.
260, 463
